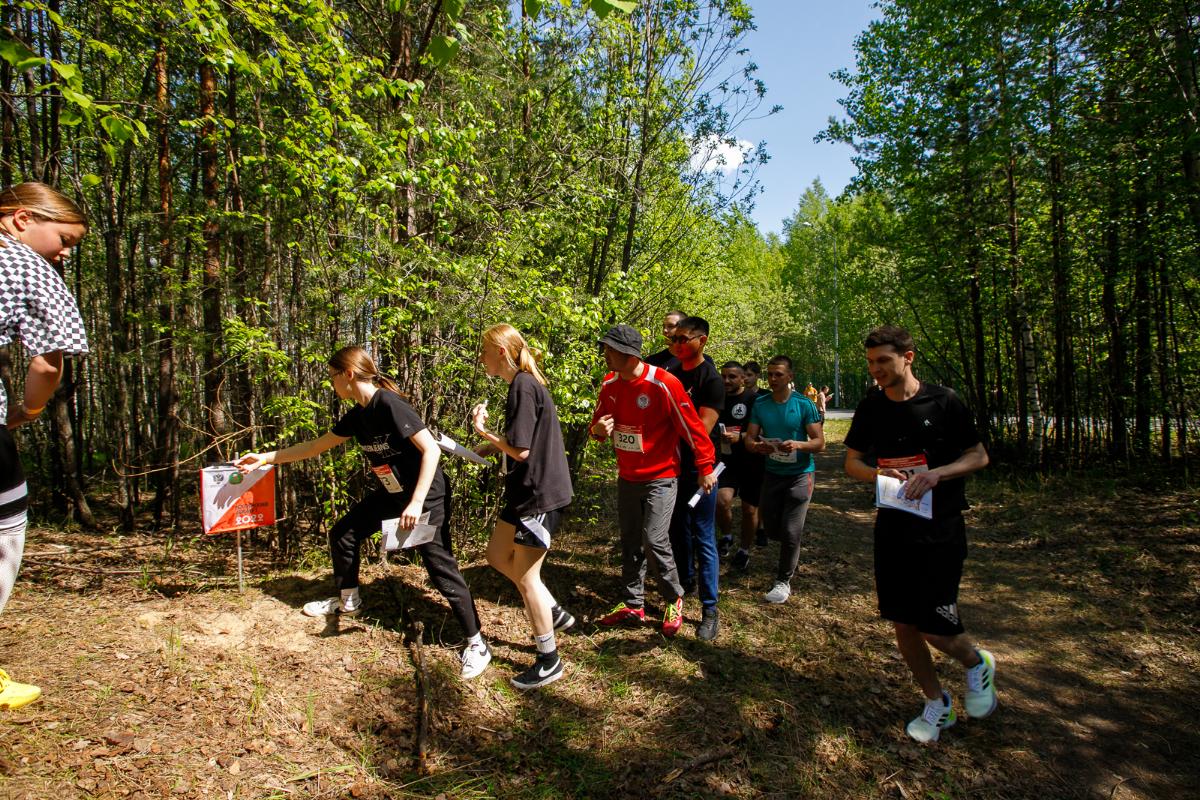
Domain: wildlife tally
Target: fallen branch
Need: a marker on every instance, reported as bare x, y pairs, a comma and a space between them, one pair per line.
700, 761
93, 571
416, 648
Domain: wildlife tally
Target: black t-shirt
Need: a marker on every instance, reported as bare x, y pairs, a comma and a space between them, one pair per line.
542, 482
736, 414
934, 423
663, 359
707, 390
383, 428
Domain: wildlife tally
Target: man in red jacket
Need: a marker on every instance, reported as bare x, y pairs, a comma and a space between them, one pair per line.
645, 412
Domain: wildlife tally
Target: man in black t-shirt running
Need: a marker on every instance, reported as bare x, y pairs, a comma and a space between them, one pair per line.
923, 436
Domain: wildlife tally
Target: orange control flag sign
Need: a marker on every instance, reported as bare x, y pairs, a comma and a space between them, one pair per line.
231, 501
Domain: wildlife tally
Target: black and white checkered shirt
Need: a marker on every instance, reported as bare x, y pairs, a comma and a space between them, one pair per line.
35, 306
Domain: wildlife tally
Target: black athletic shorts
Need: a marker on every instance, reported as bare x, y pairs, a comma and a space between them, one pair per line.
13, 494
916, 580
534, 530
750, 479
731, 476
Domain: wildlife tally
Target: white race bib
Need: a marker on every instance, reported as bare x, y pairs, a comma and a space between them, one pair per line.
784, 458
628, 438
388, 478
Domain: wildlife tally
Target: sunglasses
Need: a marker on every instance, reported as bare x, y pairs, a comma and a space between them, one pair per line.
681, 339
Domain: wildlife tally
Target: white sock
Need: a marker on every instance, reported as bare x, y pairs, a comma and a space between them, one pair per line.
545, 642
350, 599
476, 641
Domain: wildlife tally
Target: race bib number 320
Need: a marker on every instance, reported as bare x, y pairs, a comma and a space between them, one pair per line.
628, 438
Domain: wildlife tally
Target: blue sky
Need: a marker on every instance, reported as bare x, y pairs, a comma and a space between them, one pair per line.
797, 44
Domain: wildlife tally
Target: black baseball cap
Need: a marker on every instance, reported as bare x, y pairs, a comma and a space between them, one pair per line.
624, 339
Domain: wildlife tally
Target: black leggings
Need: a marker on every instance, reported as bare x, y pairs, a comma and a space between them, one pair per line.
366, 518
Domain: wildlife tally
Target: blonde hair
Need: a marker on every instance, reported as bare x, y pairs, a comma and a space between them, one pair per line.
362, 367
511, 341
43, 202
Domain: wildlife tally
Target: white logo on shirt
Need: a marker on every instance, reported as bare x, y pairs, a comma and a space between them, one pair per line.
643, 400
739, 411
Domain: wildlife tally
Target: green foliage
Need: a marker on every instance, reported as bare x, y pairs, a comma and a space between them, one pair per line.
395, 174
1039, 161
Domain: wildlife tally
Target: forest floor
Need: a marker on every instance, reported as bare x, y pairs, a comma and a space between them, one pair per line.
160, 679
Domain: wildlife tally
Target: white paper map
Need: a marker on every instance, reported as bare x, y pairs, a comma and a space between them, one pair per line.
396, 538
889, 493
455, 449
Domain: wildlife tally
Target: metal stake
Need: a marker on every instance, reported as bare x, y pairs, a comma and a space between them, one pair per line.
241, 578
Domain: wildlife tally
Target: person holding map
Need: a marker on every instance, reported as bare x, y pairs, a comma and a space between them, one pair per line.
924, 436
404, 457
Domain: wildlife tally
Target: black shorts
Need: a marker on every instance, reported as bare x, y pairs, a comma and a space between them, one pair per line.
750, 480
731, 476
916, 581
13, 494
533, 530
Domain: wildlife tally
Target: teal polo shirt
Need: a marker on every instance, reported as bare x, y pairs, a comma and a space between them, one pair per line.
787, 420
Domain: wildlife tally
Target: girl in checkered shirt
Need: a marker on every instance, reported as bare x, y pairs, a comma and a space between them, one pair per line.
38, 228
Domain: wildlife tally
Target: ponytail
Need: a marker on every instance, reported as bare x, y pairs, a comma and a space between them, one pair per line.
511, 341
528, 362
362, 366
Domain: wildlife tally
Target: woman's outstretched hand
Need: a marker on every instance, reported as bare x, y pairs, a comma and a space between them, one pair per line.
251, 462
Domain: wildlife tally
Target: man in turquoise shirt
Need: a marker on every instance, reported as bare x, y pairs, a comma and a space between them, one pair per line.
786, 428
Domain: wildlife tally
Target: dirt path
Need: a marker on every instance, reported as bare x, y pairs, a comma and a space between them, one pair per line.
166, 682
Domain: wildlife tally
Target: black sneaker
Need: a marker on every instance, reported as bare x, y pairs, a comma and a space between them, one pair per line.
708, 627
741, 561
689, 589
760, 538
723, 546
562, 619
547, 669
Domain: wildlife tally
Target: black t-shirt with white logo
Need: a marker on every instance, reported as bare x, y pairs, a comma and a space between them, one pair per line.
934, 423
383, 429
704, 385
542, 482
735, 415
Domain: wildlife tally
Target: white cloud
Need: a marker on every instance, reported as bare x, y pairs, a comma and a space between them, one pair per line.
714, 154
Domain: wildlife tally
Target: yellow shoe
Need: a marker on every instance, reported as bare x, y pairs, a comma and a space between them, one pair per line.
14, 695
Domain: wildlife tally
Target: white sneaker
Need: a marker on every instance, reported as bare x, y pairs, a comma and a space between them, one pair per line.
329, 607
475, 659
779, 593
981, 699
935, 718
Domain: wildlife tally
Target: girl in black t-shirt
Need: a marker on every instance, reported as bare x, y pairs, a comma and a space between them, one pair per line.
537, 487
404, 457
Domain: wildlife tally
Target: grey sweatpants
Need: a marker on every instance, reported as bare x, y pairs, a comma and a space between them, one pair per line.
644, 512
783, 507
